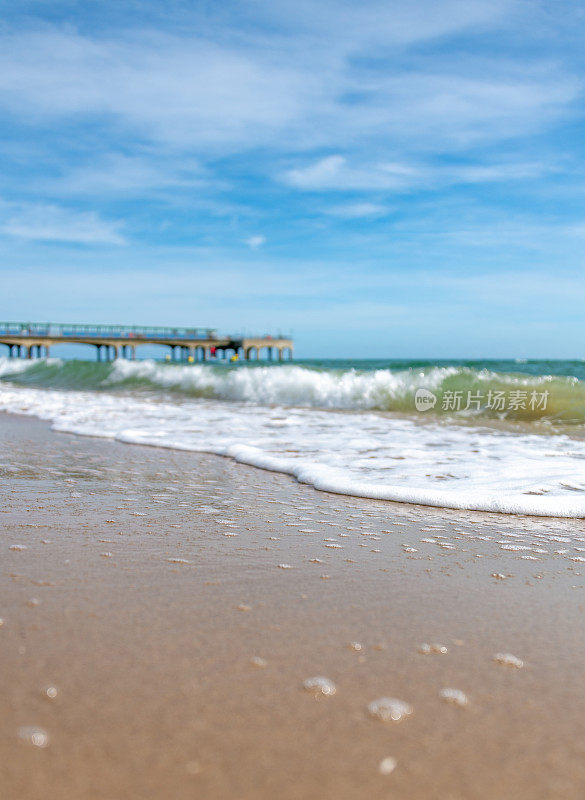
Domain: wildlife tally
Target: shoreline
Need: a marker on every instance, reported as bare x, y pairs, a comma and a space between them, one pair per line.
158, 578
321, 478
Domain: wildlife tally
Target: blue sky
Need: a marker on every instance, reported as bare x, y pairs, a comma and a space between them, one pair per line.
384, 179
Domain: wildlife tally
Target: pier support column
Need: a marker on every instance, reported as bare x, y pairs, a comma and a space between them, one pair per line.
29, 352
47, 351
133, 352
280, 353
269, 353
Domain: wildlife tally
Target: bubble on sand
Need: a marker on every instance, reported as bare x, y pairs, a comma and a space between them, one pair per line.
389, 709
33, 735
18, 547
107, 555
319, 686
51, 692
426, 649
455, 696
244, 607
33, 602
356, 646
178, 561
284, 566
508, 660
259, 662
387, 765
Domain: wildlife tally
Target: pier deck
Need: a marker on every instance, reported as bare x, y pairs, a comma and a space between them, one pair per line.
32, 340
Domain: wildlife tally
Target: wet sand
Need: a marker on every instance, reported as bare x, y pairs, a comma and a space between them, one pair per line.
147, 588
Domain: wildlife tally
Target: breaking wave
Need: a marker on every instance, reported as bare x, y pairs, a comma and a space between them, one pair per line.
391, 390
293, 419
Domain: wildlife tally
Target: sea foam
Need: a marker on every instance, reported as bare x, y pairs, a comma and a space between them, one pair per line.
365, 454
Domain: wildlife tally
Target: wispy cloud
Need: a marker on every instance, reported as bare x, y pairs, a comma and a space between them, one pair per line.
137, 174
358, 210
53, 224
386, 135
183, 91
223, 88
334, 172
337, 173
255, 241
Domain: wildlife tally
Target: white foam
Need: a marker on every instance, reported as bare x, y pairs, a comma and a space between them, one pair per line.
365, 454
286, 384
13, 366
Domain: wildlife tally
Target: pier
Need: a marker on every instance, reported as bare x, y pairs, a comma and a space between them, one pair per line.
34, 340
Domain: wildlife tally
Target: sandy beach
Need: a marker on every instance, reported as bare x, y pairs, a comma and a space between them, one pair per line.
161, 612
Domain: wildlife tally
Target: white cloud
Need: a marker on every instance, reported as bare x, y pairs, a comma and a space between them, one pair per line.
225, 88
177, 90
358, 210
350, 26
117, 173
52, 223
334, 172
255, 241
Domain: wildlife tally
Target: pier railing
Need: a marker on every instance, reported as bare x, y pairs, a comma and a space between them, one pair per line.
188, 344
36, 329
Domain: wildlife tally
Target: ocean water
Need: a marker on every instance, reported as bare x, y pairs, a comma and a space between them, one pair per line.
505, 436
